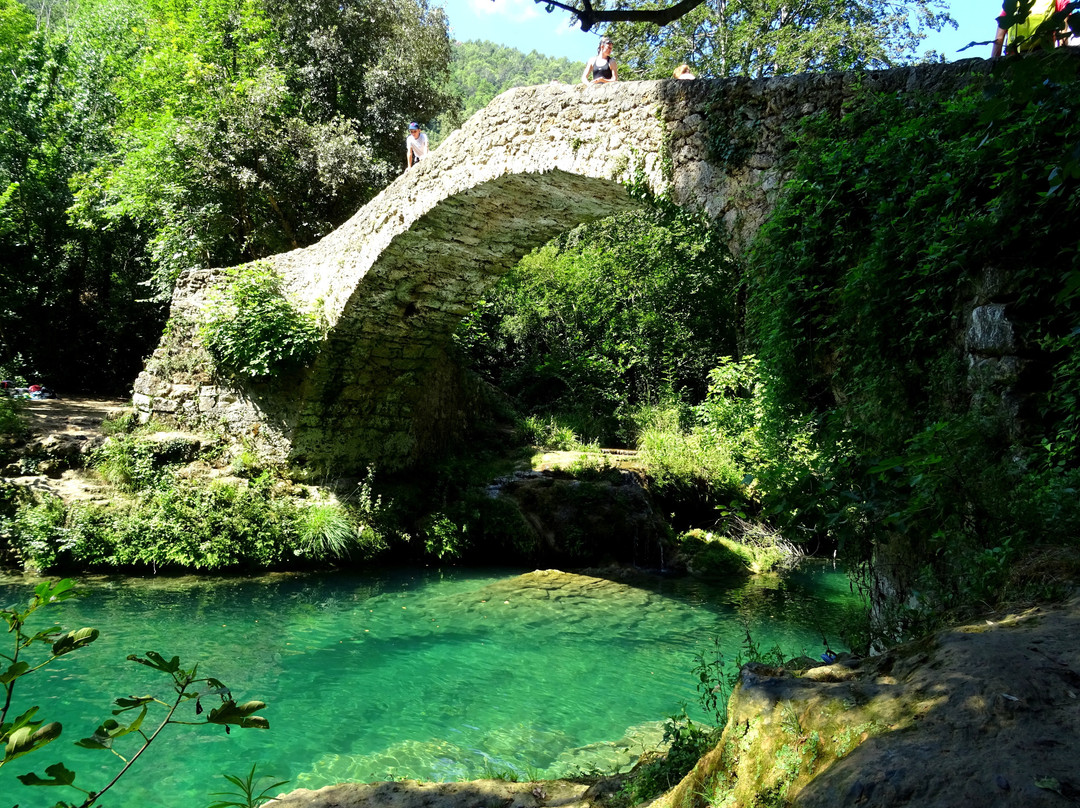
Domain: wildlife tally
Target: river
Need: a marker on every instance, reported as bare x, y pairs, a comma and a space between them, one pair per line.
438, 674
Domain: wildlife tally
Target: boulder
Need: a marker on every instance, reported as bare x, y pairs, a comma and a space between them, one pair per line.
983, 714
604, 519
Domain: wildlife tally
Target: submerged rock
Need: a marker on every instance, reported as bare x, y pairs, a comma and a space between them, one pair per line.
413, 794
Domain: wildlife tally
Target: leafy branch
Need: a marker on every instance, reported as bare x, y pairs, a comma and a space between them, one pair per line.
24, 734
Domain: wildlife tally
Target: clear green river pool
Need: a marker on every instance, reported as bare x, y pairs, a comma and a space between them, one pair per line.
431, 674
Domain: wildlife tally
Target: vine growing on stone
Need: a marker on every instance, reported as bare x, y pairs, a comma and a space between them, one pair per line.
901, 216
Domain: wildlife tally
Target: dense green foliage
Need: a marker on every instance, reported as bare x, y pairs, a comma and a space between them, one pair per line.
773, 38
900, 214
187, 525
159, 519
11, 420
723, 458
479, 71
249, 128
253, 331
139, 138
686, 743
627, 311
68, 314
858, 421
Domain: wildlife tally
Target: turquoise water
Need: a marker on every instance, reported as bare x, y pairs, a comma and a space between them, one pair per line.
438, 675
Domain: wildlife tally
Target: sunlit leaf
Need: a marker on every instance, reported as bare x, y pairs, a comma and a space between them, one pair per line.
130, 702
26, 739
14, 672
73, 640
240, 714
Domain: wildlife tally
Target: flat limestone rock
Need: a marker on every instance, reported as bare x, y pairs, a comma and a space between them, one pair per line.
475, 794
983, 714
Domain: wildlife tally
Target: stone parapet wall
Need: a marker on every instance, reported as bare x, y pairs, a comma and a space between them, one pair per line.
392, 283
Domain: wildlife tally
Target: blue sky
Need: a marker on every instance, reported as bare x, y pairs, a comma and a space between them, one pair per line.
524, 25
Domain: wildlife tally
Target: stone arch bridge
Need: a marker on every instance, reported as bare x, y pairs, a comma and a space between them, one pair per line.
392, 283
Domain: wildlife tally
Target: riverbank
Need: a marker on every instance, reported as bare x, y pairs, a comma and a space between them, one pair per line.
84, 487
60, 434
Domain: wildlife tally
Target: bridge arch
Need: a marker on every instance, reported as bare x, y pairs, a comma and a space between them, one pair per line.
392, 283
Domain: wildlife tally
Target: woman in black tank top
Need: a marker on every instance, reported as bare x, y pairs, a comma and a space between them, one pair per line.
601, 69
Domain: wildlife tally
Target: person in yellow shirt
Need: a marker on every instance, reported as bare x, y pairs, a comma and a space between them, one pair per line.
1019, 38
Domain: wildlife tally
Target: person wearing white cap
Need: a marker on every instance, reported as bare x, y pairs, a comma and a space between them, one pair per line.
415, 145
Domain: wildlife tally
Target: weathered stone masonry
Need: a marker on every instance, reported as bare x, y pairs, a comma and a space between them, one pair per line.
392, 283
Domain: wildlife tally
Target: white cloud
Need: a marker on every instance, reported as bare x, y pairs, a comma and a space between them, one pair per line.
567, 27
510, 10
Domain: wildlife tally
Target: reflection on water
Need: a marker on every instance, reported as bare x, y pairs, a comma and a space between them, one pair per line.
437, 675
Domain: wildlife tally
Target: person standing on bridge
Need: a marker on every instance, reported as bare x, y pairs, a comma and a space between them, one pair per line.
1020, 38
601, 69
416, 145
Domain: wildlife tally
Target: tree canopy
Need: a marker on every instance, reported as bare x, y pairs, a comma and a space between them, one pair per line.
724, 38
247, 128
142, 137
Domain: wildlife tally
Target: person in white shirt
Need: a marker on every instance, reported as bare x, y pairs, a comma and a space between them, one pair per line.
415, 145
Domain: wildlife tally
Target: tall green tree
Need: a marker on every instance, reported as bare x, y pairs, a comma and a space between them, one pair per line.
724, 38
142, 137
254, 126
66, 295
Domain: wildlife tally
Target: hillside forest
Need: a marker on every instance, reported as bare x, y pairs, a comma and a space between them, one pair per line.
817, 387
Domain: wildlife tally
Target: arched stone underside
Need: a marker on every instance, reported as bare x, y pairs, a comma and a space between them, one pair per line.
392, 283
385, 378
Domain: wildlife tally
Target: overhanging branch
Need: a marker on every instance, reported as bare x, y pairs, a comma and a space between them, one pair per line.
589, 16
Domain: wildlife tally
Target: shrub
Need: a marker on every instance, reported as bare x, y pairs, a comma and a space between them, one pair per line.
11, 419
119, 424
718, 559
127, 463
751, 547
687, 743
37, 532
253, 331
325, 529
687, 459
548, 433
188, 525
443, 537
